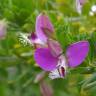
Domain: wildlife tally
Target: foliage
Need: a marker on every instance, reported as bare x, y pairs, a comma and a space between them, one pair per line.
17, 67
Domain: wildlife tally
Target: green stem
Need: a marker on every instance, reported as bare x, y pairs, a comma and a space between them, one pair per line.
90, 85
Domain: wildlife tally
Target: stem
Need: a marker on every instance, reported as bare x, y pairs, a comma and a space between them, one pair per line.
90, 85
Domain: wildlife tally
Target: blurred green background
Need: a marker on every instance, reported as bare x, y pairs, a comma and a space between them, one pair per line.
17, 66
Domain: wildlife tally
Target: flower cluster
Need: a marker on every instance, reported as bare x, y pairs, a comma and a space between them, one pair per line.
48, 54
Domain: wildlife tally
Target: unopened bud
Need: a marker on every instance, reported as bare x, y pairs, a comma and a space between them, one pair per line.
45, 89
39, 77
3, 29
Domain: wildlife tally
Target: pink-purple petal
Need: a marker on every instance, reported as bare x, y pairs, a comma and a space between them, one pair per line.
35, 40
82, 2
55, 47
42, 21
45, 59
76, 53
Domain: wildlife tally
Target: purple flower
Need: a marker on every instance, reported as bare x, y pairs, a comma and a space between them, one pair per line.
49, 54
44, 30
57, 64
79, 5
3, 29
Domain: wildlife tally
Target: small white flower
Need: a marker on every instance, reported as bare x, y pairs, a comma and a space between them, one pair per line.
93, 8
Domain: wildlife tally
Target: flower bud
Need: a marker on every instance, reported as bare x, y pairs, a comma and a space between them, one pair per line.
3, 29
